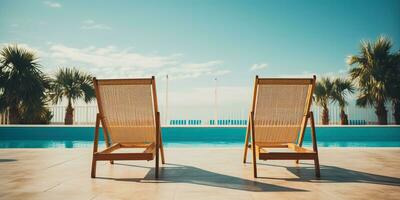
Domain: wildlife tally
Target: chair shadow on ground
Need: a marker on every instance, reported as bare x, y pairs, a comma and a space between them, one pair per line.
7, 160
332, 174
174, 173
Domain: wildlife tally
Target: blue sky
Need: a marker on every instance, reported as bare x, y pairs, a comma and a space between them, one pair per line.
196, 41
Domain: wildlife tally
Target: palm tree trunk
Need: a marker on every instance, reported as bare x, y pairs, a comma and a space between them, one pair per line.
325, 116
396, 113
343, 117
69, 114
13, 115
381, 113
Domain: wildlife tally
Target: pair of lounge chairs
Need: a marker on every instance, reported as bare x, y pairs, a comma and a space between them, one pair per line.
128, 112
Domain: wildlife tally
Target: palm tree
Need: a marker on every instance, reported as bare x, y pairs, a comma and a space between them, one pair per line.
22, 86
394, 86
42, 114
323, 96
71, 84
371, 75
341, 88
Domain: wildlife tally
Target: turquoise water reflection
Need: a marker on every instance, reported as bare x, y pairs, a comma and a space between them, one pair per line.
81, 137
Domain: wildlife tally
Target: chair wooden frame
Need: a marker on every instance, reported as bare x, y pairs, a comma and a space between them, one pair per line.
299, 153
151, 150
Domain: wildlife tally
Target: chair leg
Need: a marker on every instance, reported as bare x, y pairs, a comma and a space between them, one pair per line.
253, 144
95, 145
246, 144
162, 155
157, 163
254, 162
158, 143
302, 131
157, 157
246, 147
93, 172
315, 146
106, 139
317, 169
162, 151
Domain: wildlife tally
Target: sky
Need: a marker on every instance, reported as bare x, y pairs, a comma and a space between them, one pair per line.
198, 41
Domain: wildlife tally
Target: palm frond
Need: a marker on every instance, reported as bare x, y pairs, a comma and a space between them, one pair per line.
22, 83
72, 84
370, 71
323, 92
341, 89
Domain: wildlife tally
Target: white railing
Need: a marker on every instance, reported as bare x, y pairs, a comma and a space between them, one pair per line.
356, 115
86, 115
82, 114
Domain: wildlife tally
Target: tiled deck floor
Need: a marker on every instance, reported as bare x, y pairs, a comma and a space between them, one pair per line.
199, 173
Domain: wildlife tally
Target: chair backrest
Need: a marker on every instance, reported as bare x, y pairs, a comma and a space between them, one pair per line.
280, 106
128, 109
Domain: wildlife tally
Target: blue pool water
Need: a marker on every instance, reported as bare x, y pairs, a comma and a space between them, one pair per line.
73, 137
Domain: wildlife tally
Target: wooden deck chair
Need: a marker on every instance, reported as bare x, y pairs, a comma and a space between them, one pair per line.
278, 119
129, 115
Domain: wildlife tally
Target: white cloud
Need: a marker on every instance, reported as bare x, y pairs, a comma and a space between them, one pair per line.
113, 62
110, 56
92, 25
341, 73
194, 70
258, 66
52, 4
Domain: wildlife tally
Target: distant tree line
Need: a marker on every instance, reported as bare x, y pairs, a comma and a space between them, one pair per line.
25, 91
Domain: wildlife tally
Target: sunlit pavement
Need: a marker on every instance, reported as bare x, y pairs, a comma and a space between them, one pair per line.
199, 173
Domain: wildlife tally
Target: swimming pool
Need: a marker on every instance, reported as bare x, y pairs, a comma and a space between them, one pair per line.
82, 136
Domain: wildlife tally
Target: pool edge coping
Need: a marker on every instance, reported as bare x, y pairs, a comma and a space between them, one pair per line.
187, 126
